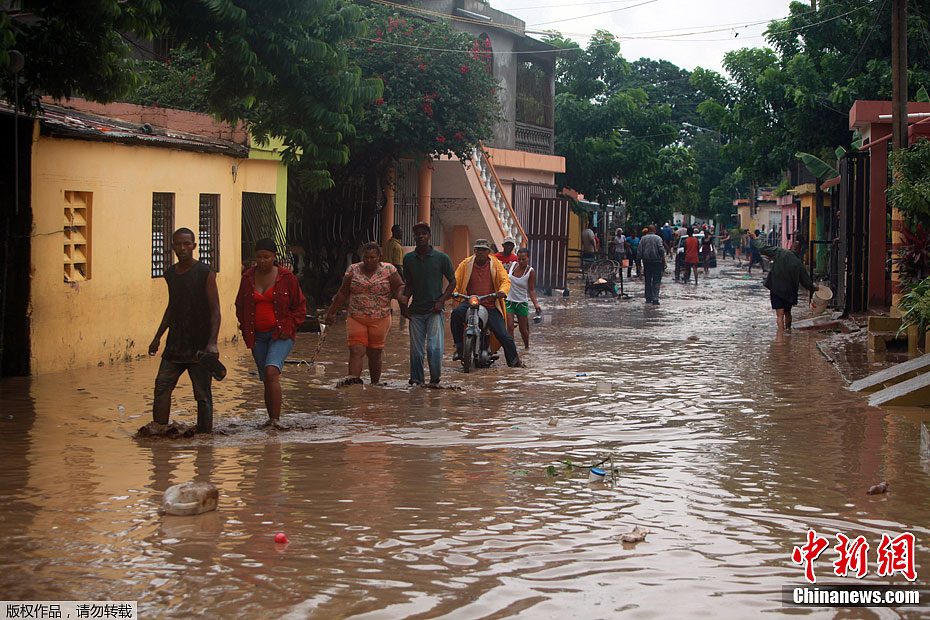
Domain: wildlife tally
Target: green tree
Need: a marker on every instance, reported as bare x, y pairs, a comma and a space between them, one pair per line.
180, 82
617, 143
277, 65
435, 103
670, 184
796, 95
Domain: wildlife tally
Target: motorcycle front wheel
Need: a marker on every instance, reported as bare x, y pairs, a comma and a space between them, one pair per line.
468, 352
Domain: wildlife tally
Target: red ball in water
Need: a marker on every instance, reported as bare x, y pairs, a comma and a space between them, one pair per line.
280, 538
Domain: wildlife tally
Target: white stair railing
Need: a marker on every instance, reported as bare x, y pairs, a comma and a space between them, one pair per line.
506, 217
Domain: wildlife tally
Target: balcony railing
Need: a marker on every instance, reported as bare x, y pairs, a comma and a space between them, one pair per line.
533, 139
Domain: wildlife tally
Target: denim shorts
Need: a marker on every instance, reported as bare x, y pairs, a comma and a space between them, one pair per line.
270, 352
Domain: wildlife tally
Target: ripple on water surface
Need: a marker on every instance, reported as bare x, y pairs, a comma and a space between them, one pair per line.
727, 443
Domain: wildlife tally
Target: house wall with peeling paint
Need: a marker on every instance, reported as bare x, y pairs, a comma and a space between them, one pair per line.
113, 314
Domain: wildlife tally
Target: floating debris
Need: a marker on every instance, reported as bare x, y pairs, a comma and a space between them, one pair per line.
878, 489
637, 534
172, 430
190, 498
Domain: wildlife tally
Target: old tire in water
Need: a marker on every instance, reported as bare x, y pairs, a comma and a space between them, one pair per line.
468, 352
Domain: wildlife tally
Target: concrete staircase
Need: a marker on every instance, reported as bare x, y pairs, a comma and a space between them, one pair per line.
905, 384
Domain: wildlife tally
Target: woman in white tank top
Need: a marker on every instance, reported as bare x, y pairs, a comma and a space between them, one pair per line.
522, 290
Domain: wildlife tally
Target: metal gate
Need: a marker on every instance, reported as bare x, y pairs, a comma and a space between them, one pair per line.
853, 290
259, 221
545, 221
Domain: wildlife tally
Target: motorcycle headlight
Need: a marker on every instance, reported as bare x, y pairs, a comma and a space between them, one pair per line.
473, 301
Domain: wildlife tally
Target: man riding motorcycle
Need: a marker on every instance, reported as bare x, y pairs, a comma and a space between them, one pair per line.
482, 274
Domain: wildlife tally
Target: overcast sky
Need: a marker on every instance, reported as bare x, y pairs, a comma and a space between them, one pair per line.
656, 19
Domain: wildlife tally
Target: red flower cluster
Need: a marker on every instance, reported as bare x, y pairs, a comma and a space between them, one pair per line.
379, 101
440, 138
395, 24
463, 69
428, 108
459, 135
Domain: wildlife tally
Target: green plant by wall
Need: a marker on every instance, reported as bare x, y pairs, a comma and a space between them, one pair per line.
915, 306
910, 192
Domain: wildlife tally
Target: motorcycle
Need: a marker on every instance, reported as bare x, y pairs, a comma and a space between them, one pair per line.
476, 341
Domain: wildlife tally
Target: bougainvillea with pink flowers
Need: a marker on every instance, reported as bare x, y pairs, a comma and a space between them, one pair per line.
439, 97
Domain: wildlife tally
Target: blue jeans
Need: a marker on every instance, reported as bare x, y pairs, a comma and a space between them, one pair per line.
427, 333
270, 352
653, 272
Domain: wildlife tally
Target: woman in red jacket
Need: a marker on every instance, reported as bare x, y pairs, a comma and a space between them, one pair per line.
270, 307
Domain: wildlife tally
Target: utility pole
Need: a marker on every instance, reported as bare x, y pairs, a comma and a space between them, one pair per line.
898, 127
899, 74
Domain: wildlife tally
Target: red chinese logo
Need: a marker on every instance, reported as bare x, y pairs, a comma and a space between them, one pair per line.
808, 553
852, 557
894, 555
899, 558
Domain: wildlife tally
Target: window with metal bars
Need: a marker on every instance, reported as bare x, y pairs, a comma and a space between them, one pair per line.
208, 246
162, 229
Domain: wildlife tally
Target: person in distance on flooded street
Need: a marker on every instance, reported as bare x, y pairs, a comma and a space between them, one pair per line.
270, 307
786, 274
652, 253
507, 256
482, 274
192, 319
692, 256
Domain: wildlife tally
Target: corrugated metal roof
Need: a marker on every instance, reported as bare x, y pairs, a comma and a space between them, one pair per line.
61, 122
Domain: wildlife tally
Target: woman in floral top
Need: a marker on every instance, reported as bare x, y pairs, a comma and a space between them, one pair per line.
369, 286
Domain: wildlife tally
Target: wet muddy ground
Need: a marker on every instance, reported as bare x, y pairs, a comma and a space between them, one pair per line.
728, 442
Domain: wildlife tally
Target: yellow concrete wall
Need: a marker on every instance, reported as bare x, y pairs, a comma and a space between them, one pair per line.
113, 315
272, 150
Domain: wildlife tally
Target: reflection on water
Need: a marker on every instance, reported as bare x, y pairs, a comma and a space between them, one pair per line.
435, 503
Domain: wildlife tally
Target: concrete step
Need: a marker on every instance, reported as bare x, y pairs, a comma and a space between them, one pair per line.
890, 376
884, 323
915, 392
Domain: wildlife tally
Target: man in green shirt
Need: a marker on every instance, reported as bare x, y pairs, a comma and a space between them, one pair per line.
786, 274
424, 269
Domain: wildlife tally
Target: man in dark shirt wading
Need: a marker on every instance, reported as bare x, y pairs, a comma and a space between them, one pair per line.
192, 319
786, 274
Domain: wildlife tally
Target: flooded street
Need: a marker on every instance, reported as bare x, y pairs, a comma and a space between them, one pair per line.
729, 443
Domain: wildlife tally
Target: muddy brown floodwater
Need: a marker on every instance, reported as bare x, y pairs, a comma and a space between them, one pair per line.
409, 502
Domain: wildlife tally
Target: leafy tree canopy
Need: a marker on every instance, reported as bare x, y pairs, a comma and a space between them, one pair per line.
278, 65
434, 102
796, 95
617, 143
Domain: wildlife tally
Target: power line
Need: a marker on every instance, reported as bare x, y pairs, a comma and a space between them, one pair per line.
629, 36
615, 37
878, 15
559, 6
568, 19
